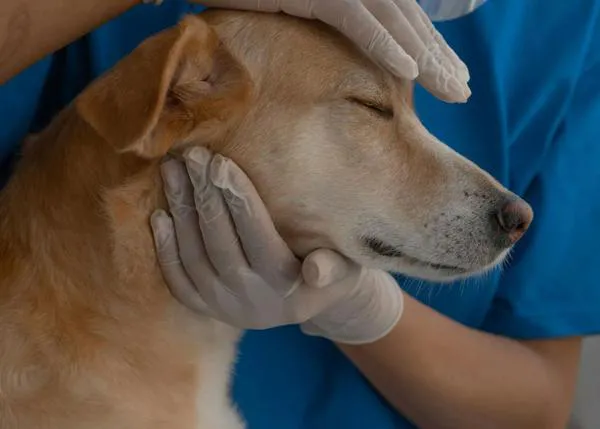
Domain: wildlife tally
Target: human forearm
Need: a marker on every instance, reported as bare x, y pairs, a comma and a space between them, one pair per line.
31, 29
443, 375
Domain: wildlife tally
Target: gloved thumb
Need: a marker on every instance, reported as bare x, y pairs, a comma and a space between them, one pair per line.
324, 267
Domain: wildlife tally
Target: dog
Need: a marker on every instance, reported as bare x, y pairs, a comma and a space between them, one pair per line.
90, 336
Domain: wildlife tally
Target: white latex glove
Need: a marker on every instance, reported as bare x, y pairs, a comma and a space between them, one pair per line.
221, 256
396, 34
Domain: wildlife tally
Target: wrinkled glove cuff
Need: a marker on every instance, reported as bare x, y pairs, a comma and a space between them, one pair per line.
366, 316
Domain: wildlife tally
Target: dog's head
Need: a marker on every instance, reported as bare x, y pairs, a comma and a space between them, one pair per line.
331, 141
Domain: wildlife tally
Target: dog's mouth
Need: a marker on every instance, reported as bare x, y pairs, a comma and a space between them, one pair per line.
382, 248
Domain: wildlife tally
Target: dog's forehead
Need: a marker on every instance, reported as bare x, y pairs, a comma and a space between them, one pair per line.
274, 46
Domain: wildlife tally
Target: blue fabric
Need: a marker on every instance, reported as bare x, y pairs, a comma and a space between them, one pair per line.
532, 122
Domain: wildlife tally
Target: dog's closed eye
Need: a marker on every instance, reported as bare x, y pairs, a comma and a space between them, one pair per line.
376, 107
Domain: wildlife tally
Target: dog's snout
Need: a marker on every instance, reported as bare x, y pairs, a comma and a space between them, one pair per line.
514, 218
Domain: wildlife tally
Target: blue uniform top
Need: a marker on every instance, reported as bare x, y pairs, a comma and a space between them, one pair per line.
533, 122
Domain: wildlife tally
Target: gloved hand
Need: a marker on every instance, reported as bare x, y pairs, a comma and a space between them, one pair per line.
396, 34
222, 256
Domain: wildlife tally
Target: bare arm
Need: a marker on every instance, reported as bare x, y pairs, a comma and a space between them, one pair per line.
31, 29
443, 375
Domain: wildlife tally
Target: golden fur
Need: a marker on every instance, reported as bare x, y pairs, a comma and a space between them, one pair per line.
89, 335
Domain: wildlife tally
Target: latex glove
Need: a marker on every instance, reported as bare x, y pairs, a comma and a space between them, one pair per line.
221, 256
396, 34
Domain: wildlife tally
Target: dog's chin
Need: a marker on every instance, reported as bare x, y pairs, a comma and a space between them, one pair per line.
434, 272
374, 256
442, 275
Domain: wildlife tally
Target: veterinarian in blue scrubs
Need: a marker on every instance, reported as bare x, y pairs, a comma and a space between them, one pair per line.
500, 351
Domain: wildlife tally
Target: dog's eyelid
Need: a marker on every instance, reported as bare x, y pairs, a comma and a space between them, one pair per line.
377, 106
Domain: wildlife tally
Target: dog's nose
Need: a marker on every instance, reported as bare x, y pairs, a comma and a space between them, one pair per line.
514, 217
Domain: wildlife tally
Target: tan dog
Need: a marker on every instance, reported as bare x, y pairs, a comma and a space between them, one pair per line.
90, 336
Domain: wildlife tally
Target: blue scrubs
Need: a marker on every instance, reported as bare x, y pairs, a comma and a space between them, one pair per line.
533, 122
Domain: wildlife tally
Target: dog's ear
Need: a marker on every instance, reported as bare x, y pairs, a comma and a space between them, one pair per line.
169, 87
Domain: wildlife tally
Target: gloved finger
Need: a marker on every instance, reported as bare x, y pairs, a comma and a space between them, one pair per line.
265, 250
324, 267
461, 68
441, 83
307, 301
441, 71
174, 273
220, 237
432, 39
361, 27
180, 197
435, 72
401, 28
328, 278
